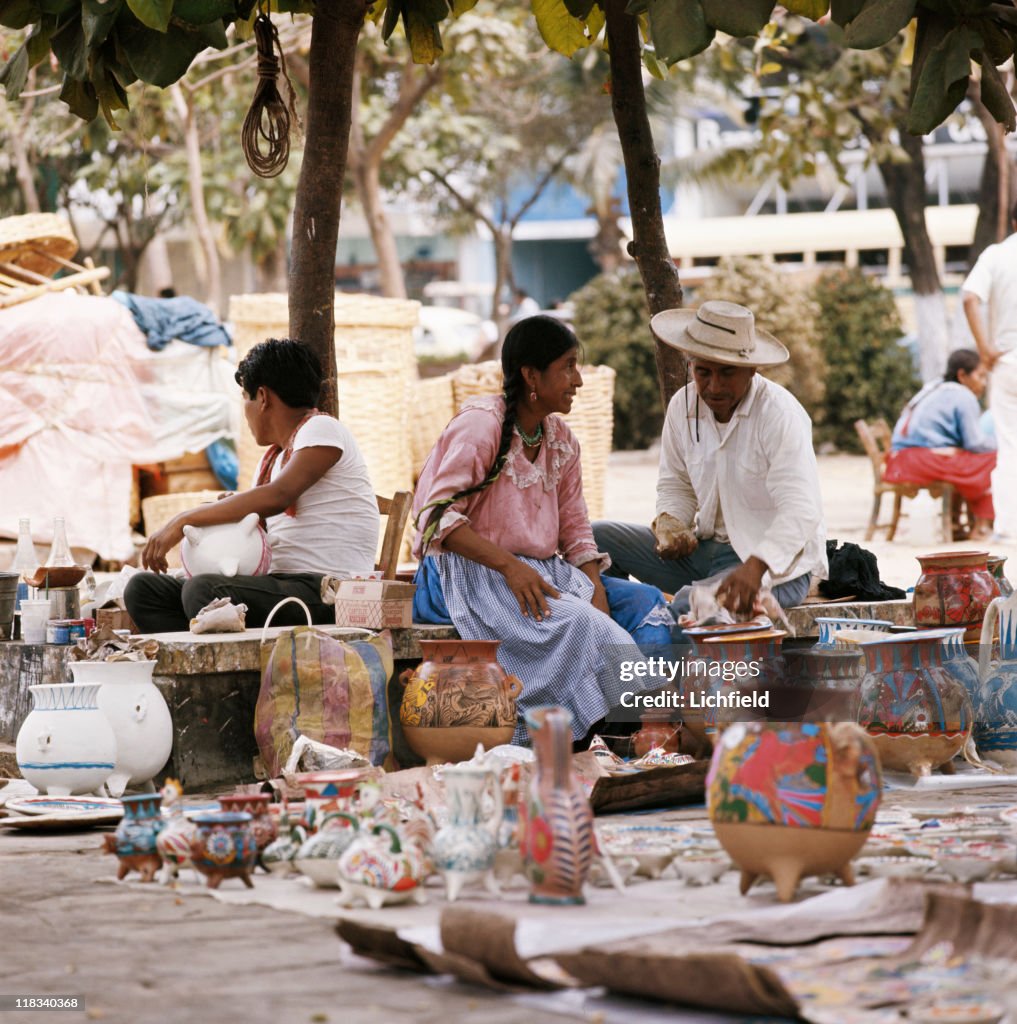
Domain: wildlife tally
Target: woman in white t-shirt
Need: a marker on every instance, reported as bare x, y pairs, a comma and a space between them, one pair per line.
312, 490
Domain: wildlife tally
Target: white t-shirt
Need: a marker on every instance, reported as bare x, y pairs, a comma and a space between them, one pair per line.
336, 526
993, 279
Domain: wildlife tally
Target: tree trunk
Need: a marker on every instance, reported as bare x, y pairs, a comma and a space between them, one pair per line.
994, 188
334, 33
196, 189
905, 190
642, 170
605, 246
502, 274
22, 163
270, 270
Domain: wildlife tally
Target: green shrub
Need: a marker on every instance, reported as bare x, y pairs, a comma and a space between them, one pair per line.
868, 373
785, 309
612, 323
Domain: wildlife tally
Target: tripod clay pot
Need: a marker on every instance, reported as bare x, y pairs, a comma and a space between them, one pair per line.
792, 799
224, 847
955, 589
457, 697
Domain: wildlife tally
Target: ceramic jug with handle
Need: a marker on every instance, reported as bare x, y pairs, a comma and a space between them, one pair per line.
996, 710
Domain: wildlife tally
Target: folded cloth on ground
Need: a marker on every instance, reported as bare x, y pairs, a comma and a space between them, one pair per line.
220, 616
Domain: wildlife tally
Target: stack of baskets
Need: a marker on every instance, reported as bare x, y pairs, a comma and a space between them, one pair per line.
159, 509
433, 406
591, 418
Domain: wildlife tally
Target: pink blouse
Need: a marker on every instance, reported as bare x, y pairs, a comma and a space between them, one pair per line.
534, 509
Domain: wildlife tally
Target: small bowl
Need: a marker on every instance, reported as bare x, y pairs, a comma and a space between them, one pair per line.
966, 867
56, 576
1004, 852
956, 1011
895, 867
701, 868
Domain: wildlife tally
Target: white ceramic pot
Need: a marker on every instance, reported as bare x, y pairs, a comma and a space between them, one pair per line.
66, 744
138, 714
232, 549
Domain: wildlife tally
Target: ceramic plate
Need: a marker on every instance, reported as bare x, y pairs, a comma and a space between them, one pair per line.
726, 627
65, 805
78, 819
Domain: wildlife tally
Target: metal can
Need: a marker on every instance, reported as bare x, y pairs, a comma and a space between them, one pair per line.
77, 629
57, 632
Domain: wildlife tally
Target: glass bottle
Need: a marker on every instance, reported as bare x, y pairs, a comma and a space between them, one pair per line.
60, 552
26, 559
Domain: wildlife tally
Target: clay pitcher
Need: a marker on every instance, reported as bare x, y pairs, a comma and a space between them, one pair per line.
916, 710
791, 799
457, 697
996, 710
658, 731
555, 819
955, 589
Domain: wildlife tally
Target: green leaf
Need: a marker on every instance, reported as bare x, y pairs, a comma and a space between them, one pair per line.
433, 12
813, 9
214, 34
637, 7
678, 29
842, 11
69, 48
159, 58
392, 12
153, 13
19, 13
97, 18
423, 37
744, 18
462, 6
579, 8
941, 80
560, 30
80, 97
38, 43
203, 12
14, 73
996, 96
57, 7
878, 22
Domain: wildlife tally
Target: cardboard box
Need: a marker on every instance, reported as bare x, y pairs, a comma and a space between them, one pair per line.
374, 604
115, 618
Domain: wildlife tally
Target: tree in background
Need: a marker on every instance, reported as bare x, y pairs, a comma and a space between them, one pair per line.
868, 372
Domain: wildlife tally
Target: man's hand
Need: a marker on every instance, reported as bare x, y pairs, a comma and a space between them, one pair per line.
991, 355
674, 539
161, 544
529, 588
737, 591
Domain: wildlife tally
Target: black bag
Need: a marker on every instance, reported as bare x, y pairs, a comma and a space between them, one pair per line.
854, 572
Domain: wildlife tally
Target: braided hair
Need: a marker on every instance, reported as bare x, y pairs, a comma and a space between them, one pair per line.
536, 341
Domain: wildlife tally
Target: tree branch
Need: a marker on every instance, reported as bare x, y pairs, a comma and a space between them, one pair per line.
412, 88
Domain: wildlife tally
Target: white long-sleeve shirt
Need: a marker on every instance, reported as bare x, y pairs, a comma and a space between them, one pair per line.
760, 469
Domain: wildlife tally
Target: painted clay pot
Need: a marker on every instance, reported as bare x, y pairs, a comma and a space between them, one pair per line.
788, 800
464, 849
66, 744
738, 663
955, 589
658, 731
829, 627
136, 837
379, 868
555, 819
819, 684
333, 820
457, 697
257, 805
995, 565
224, 847
915, 709
996, 708
328, 791
138, 714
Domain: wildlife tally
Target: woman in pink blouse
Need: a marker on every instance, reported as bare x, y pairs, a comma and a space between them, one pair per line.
509, 550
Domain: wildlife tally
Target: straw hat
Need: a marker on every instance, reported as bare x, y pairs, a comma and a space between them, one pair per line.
722, 332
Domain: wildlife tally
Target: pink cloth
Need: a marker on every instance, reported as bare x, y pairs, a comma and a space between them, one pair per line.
534, 509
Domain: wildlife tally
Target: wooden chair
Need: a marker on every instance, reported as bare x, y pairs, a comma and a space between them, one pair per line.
397, 509
875, 438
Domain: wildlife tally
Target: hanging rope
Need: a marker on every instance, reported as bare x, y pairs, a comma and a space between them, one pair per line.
266, 132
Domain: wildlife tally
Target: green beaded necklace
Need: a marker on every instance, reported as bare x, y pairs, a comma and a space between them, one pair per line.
531, 440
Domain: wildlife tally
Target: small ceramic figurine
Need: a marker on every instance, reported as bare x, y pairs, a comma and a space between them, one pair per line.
177, 834
277, 857
380, 869
134, 841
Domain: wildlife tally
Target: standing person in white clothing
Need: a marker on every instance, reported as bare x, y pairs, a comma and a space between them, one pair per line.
993, 280
738, 490
312, 491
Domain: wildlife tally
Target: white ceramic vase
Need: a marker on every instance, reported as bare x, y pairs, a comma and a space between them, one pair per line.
66, 744
138, 714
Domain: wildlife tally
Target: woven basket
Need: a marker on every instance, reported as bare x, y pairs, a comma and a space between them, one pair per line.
25, 241
591, 418
159, 509
432, 407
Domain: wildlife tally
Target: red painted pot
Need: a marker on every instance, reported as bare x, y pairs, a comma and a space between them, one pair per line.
955, 589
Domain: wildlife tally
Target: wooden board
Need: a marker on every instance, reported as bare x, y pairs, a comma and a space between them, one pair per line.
656, 787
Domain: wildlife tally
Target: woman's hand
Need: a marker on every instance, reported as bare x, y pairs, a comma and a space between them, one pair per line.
160, 544
529, 588
599, 599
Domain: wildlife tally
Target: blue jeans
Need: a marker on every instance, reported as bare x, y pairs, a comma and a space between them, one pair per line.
632, 551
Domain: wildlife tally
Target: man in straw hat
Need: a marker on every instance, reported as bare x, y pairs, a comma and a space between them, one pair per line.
738, 490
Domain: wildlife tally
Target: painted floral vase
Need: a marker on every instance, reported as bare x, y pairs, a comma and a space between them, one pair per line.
257, 805
457, 697
955, 589
555, 820
995, 564
464, 849
788, 800
829, 628
996, 709
380, 868
658, 731
66, 744
136, 837
915, 709
224, 847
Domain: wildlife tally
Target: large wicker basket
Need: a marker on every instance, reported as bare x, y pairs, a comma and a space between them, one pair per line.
159, 509
26, 242
432, 407
592, 418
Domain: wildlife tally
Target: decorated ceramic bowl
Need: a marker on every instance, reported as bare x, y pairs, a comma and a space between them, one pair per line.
895, 867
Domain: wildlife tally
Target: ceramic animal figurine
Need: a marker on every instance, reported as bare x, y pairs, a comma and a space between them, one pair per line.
177, 834
457, 697
135, 840
320, 852
224, 847
137, 711
277, 857
66, 744
230, 549
379, 869
996, 709
555, 819
464, 850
